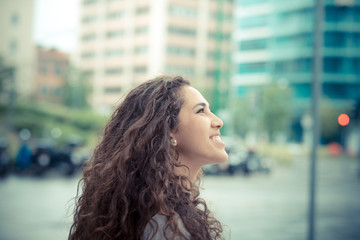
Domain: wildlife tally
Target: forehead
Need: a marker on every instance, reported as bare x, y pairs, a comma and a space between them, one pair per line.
192, 96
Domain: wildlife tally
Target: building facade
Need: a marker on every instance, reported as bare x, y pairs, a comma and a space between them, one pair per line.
274, 42
16, 46
51, 74
122, 43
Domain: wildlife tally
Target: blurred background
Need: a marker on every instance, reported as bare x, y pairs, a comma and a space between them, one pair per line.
65, 65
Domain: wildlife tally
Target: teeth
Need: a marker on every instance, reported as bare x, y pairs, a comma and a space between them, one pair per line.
216, 138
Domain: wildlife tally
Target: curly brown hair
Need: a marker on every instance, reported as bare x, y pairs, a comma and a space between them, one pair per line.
130, 177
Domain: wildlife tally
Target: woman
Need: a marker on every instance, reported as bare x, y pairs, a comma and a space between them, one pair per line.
142, 181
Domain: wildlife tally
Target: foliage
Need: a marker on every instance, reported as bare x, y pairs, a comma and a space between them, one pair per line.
275, 109
264, 109
76, 89
42, 118
5, 74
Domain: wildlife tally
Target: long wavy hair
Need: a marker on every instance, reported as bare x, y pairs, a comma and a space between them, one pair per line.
130, 176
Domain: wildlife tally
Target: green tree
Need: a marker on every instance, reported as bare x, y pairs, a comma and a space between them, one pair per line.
6, 73
76, 89
275, 104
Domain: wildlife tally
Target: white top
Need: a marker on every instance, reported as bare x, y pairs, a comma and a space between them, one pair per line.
159, 235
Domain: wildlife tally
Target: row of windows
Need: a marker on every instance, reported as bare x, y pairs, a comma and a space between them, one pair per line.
254, 44
109, 34
91, 2
107, 53
331, 39
342, 14
116, 71
301, 40
250, 2
182, 11
254, 21
181, 69
181, 30
302, 15
58, 69
182, 51
47, 91
112, 90
332, 65
332, 14
114, 15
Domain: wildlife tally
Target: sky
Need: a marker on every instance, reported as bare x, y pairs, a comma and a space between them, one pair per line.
56, 23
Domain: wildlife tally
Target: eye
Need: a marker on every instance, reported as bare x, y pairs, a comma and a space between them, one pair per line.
201, 110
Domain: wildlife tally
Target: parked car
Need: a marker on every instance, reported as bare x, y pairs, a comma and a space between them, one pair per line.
242, 160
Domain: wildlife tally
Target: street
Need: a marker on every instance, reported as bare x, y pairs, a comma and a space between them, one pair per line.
258, 207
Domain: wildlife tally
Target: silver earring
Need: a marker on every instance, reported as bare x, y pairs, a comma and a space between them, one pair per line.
173, 142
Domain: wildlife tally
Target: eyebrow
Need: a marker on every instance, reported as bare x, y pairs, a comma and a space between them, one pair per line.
201, 104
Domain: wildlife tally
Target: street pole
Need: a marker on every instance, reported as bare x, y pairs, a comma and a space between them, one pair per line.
316, 95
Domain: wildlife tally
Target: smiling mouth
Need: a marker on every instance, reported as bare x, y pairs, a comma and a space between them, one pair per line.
216, 138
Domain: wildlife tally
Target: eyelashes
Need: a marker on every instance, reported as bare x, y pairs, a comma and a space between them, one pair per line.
202, 110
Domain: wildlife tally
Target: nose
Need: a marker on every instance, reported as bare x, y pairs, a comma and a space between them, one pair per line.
216, 122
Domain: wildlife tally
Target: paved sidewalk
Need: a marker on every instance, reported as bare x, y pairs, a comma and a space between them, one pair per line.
258, 207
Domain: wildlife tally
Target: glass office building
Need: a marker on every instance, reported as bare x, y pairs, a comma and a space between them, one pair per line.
274, 42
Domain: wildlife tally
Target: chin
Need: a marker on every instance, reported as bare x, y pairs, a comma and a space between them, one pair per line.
221, 158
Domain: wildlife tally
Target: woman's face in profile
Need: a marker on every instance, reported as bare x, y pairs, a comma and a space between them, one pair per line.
198, 133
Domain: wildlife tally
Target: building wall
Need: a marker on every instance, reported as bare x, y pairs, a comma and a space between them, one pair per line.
123, 43
51, 73
16, 46
275, 41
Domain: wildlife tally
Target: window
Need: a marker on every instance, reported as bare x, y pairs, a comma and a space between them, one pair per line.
140, 50
113, 90
335, 39
182, 11
43, 68
254, 44
340, 13
142, 10
333, 64
297, 40
299, 15
250, 2
141, 30
86, 55
89, 37
58, 69
140, 69
257, 67
115, 33
356, 65
301, 65
114, 52
184, 51
89, 19
44, 90
14, 19
180, 69
57, 91
113, 71
115, 14
13, 46
89, 2
181, 31
256, 21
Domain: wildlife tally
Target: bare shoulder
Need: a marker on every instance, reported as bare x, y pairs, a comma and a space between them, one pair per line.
155, 229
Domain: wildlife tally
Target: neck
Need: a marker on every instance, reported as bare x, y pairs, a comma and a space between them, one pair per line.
188, 171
